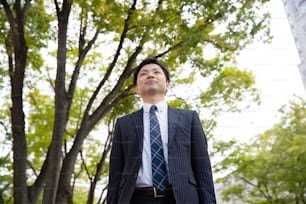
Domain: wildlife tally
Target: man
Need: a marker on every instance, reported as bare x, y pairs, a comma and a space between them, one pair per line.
159, 154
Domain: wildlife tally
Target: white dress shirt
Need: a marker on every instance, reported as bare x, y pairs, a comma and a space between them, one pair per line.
144, 178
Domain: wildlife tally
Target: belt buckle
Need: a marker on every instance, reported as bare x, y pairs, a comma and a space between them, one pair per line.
156, 195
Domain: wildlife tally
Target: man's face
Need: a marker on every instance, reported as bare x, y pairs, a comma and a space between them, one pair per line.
151, 80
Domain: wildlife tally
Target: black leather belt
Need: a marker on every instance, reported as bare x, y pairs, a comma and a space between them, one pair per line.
153, 192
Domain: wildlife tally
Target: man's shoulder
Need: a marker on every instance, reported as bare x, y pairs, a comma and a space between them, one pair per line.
130, 115
181, 110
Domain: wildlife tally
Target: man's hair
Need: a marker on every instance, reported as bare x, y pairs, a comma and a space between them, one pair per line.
150, 61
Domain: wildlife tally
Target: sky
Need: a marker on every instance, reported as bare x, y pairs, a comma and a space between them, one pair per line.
277, 78
275, 67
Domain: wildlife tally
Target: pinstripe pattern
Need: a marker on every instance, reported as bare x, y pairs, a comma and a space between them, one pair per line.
159, 172
189, 165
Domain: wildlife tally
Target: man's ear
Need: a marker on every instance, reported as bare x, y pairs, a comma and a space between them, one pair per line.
136, 89
168, 84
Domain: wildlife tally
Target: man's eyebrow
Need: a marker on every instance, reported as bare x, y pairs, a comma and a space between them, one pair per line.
143, 70
146, 70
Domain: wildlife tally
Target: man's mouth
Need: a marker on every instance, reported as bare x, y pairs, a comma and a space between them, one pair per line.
150, 82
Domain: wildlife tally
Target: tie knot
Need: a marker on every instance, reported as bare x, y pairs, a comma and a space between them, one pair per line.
153, 109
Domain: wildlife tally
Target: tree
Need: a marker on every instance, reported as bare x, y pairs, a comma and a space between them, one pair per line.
272, 169
99, 43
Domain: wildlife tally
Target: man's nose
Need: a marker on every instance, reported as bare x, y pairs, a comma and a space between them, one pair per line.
150, 75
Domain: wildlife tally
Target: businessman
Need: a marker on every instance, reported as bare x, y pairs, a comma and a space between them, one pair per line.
159, 153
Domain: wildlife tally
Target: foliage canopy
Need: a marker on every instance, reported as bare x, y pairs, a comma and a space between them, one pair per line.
69, 64
272, 169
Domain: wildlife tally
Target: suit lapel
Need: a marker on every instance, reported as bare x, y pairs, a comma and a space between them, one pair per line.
172, 123
137, 118
138, 124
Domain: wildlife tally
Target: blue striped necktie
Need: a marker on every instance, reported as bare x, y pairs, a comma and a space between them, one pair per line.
159, 172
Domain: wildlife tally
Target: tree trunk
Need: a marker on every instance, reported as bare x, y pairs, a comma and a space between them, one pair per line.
61, 104
17, 114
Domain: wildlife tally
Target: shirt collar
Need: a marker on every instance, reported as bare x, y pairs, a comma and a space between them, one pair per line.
161, 106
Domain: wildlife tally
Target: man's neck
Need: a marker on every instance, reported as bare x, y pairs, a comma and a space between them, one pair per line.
153, 99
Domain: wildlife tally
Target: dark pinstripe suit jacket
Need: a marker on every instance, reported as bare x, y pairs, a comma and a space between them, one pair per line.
189, 165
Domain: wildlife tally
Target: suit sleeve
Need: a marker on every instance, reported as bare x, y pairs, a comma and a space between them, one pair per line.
201, 162
116, 166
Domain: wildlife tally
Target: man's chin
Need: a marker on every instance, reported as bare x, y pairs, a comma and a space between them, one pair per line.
153, 92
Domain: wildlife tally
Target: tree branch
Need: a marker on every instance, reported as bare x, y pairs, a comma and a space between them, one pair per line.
9, 13
82, 54
175, 47
32, 167
26, 8
256, 186
184, 41
36, 188
103, 108
100, 165
113, 63
85, 166
9, 51
56, 7
82, 30
49, 79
